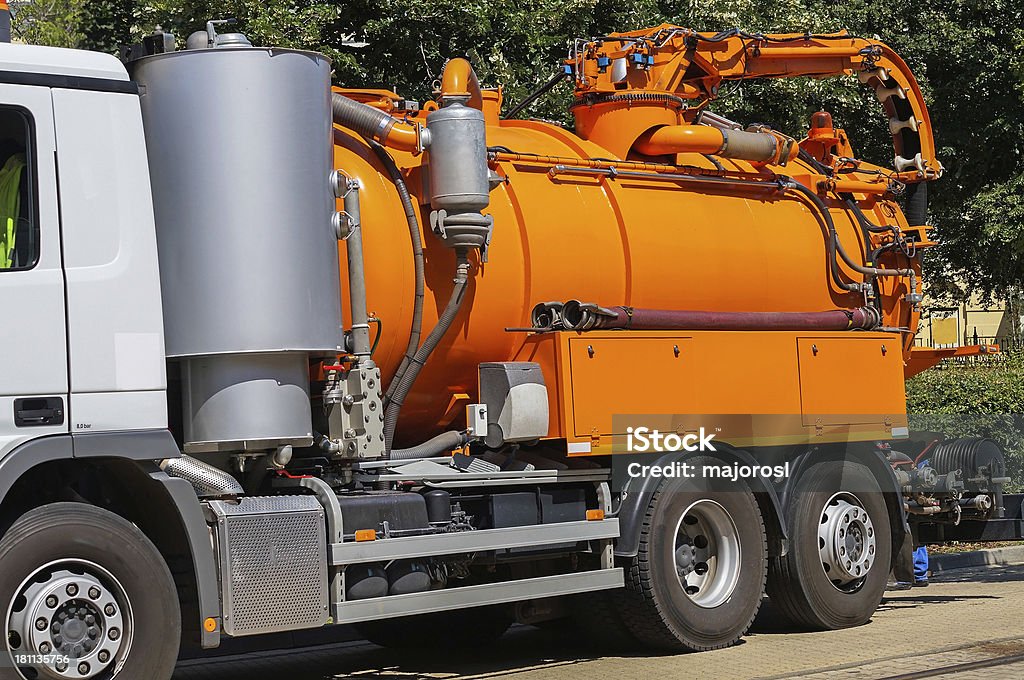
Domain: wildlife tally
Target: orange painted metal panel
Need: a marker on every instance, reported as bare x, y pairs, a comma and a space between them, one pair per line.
757, 386
619, 375
850, 380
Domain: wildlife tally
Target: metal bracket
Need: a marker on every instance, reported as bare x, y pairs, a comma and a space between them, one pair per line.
335, 529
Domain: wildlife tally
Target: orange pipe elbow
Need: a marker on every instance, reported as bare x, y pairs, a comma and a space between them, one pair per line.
372, 123
459, 83
758, 147
403, 137
672, 139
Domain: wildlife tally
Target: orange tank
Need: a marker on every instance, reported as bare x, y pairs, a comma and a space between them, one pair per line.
653, 202
561, 233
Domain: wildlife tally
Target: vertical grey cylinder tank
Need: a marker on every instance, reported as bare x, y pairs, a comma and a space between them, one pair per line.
240, 154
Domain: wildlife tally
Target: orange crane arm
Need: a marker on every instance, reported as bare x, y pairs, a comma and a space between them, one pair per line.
675, 61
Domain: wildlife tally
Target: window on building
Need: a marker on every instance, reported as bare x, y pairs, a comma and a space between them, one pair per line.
19, 227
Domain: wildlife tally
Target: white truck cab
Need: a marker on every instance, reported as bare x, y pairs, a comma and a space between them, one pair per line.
83, 340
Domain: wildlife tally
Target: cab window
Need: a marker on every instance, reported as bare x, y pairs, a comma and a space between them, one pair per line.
19, 230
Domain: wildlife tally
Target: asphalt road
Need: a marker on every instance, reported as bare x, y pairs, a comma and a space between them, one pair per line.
968, 625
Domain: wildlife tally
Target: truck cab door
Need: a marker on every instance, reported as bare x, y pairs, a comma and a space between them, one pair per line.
33, 335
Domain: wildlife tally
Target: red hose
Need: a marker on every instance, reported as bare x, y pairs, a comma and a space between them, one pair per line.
583, 317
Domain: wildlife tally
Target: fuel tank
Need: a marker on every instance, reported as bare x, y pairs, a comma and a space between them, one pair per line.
560, 235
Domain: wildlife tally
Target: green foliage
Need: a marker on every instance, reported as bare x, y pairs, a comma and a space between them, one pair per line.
49, 22
974, 400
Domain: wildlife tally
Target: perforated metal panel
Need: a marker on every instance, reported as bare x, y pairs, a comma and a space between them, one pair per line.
273, 563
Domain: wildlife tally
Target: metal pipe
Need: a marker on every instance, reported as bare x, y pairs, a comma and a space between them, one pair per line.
584, 317
207, 480
444, 322
442, 443
378, 125
672, 139
915, 508
459, 84
704, 139
546, 314
980, 502
847, 186
612, 172
356, 273
500, 154
707, 117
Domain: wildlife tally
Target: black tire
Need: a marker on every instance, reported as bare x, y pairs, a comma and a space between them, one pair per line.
654, 607
76, 533
456, 628
797, 583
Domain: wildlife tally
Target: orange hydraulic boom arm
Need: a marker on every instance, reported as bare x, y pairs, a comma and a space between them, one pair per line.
678, 62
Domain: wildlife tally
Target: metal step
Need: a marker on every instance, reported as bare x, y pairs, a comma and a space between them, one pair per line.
476, 596
353, 552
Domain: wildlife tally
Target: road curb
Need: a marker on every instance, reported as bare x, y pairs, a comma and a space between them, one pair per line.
977, 558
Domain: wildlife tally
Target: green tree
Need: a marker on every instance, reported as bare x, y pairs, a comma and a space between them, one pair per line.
48, 22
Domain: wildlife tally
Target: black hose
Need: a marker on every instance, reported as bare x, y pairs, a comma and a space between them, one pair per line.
380, 332
821, 168
405, 382
442, 443
543, 89
832, 240
717, 163
417, 258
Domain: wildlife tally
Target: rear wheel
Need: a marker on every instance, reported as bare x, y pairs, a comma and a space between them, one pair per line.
840, 547
86, 595
698, 578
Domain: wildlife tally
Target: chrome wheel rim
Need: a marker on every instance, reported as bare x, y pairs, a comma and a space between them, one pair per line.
706, 554
846, 542
69, 619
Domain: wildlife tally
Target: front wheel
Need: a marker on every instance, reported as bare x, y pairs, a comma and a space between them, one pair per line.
86, 595
838, 563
